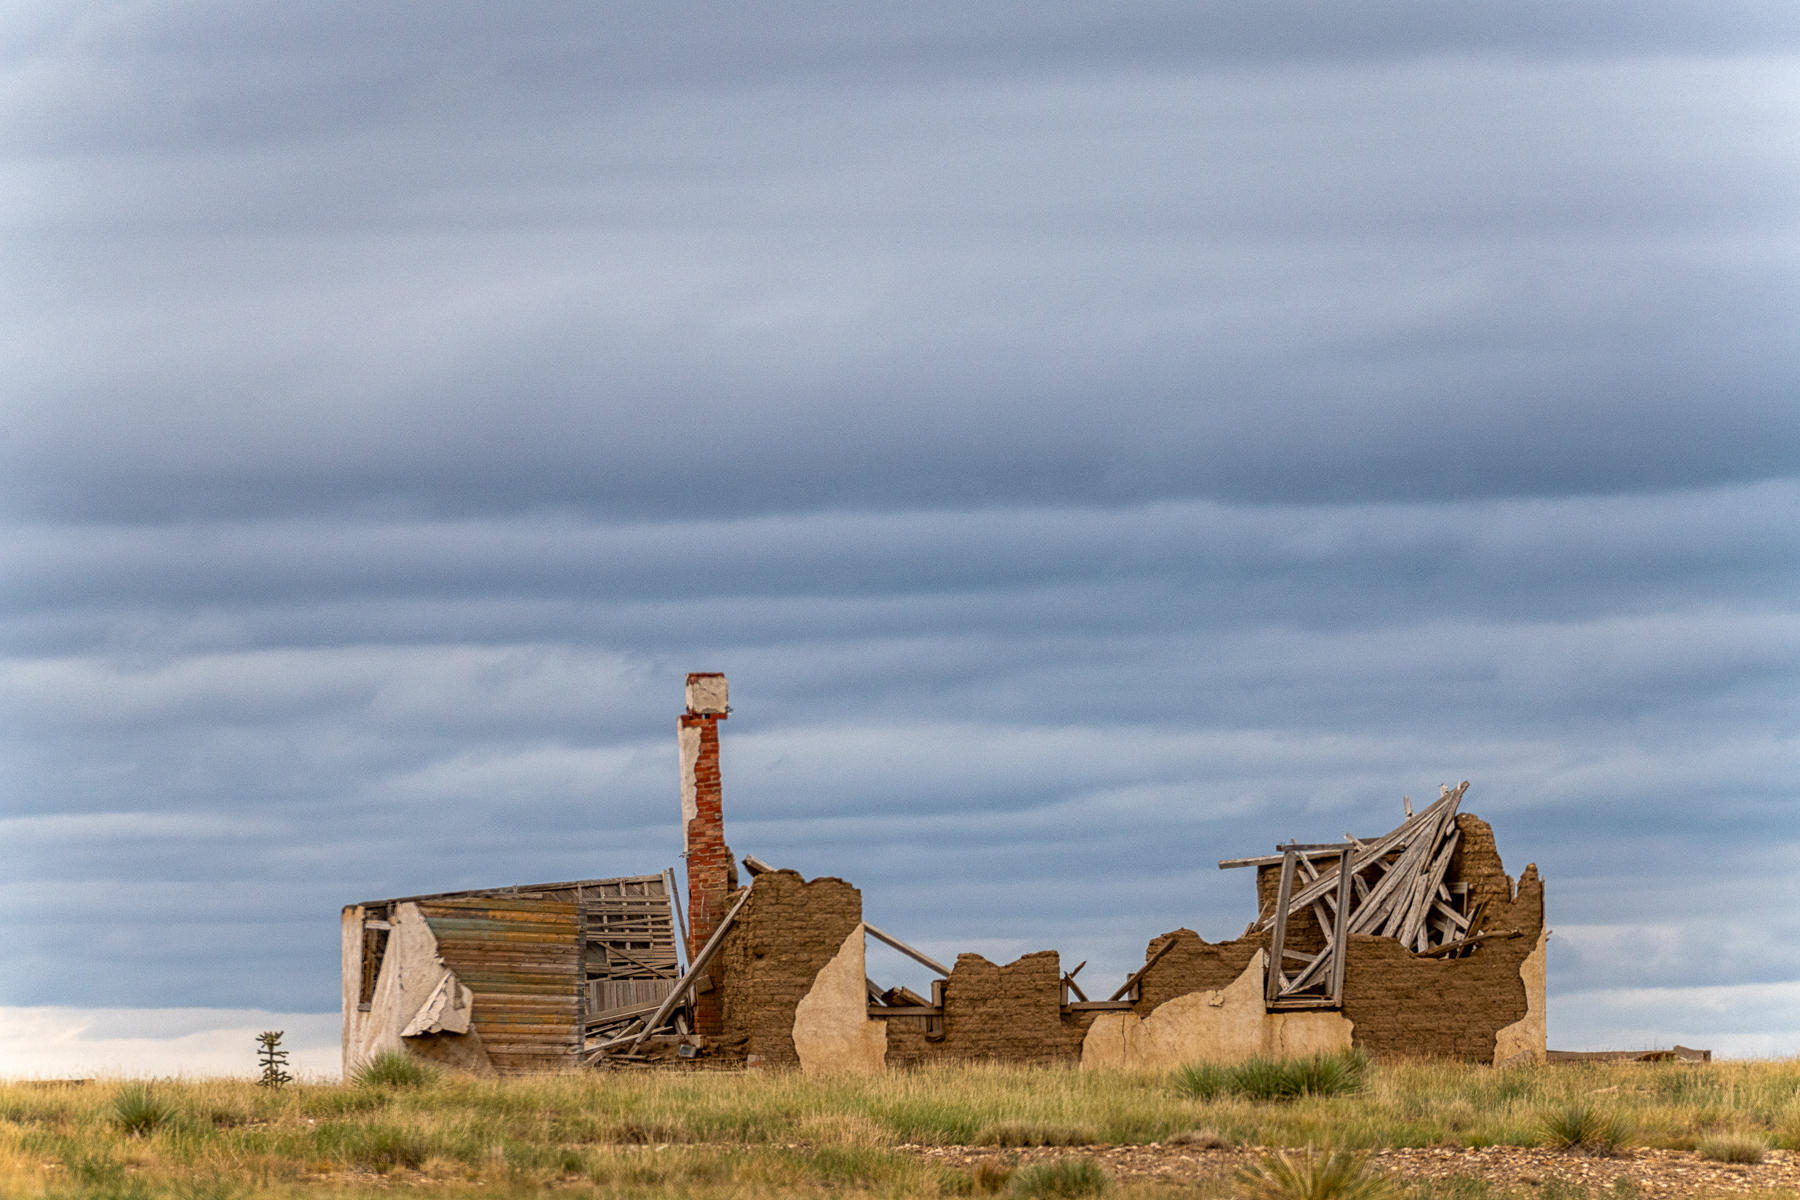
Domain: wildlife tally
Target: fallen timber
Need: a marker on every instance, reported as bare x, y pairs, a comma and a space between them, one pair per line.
1390, 886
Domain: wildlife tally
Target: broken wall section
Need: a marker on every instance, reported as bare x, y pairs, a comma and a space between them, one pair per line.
788, 931
415, 1003
1485, 1006
1012, 1013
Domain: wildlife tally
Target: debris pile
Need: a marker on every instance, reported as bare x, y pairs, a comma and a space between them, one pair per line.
1394, 886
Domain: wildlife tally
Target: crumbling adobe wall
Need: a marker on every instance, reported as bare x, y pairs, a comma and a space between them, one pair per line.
1402, 1004
1476, 862
1479, 1007
1221, 1025
1192, 964
1405, 1005
1010, 1013
782, 938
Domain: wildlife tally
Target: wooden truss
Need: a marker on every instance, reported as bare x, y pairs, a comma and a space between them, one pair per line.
1392, 886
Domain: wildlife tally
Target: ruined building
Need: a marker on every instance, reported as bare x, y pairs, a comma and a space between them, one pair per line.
1416, 942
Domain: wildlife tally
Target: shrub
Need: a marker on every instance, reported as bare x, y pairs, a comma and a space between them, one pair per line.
1728, 1149
1204, 1081
1313, 1175
139, 1111
384, 1147
1066, 1177
393, 1069
992, 1175
1338, 1074
1587, 1127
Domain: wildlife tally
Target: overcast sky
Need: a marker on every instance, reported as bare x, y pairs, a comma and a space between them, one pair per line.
1095, 440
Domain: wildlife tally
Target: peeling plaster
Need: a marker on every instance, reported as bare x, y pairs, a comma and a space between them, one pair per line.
832, 1027
1526, 1039
416, 993
1223, 1025
688, 740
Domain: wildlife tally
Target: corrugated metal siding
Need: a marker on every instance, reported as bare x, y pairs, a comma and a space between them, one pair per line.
521, 957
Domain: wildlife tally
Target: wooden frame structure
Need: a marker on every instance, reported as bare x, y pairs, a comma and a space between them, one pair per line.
1394, 886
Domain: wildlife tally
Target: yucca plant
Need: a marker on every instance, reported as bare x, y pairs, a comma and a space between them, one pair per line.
1586, 1127
392, 1069
1326, 1174
1339, 1074
139, 1111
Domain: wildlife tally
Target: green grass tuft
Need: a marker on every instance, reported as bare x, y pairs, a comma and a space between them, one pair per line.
393, 1069
1030, 1133
1733, 1149
1312, 1175
1065, 1177
1579, 1125
1275, 1078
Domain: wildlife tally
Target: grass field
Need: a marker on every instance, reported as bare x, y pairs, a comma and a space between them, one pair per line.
719, 1134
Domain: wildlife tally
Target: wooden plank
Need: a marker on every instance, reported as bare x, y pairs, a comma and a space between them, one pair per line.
524, 921
1452, 947
1378, 908
916, 955
560, 951
1368, 856
474, 929
1340, 932
700, 960
1449, 914
1101, 1006
1410, 893
1313, 850
905, 1010
568, 968
566, 1001
1131, 980
1284, 894
1434, 876
616, 1015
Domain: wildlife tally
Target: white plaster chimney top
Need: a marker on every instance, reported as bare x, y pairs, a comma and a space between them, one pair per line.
706, 693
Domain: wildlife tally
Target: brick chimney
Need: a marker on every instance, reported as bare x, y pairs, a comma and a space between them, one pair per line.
711, 873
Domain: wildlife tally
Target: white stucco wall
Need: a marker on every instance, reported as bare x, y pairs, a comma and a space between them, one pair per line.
415, 992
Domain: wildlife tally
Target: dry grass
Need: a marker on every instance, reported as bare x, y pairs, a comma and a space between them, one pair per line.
769, 1134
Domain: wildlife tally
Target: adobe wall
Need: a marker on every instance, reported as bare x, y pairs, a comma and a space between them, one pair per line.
1192, 964
784, 936
1222, 1025
1403, 1004
1010, 1013
1198, 999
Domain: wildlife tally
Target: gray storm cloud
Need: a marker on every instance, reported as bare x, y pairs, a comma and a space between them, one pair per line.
1093, 445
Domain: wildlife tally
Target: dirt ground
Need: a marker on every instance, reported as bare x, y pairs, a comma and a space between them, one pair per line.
1649, 1172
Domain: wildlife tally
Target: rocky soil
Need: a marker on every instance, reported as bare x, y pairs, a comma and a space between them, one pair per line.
1521, 1169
